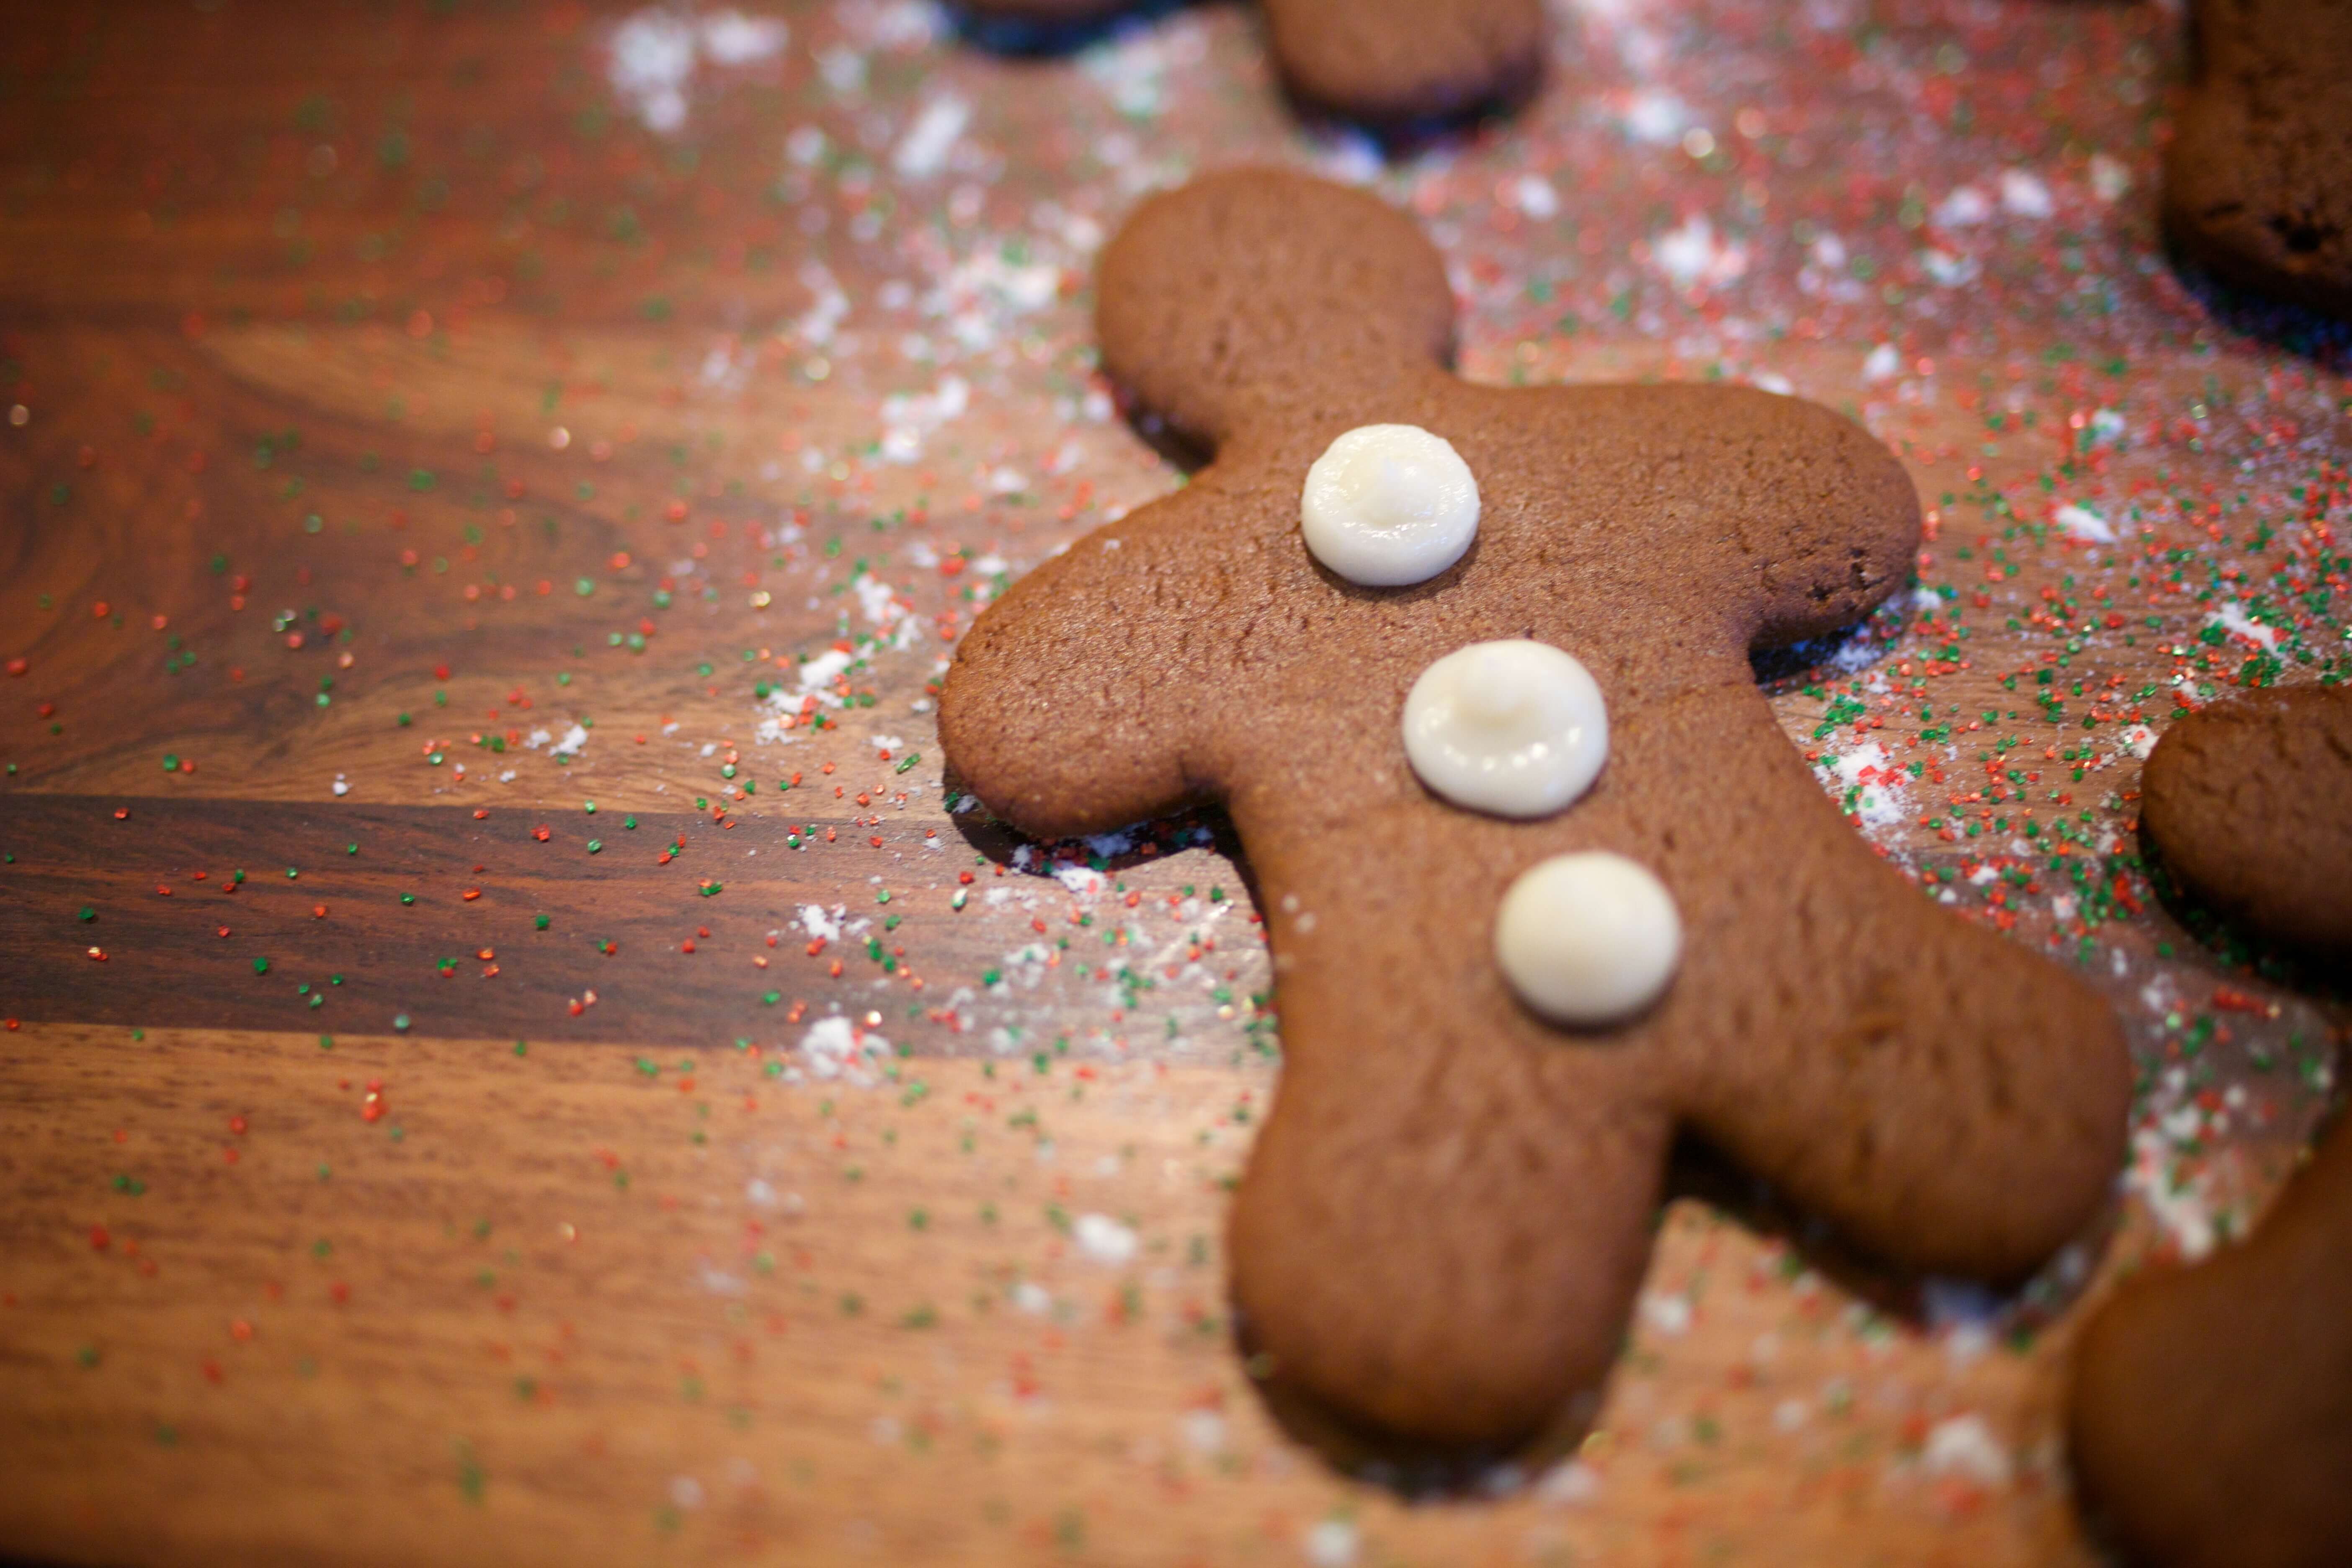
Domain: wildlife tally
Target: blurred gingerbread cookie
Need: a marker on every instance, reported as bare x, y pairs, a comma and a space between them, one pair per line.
1546, 884
1381, 62
2258, 182
2249, 804
2212, 1406
2211, 1417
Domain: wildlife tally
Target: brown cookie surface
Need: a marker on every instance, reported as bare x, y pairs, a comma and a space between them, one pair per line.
2250, 803
1447, 1214
2211, 1412
1383, 62
2258, 181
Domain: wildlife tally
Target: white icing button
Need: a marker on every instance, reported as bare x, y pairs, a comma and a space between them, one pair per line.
1587, 939
1517, 728
1386, 505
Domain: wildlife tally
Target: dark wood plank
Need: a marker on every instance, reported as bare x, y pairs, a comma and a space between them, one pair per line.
611, 924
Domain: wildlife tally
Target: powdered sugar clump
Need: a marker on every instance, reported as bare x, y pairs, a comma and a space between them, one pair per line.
1964, 1446
654, 53
2082, 523
836, 1048
1876, 776
1104, 1239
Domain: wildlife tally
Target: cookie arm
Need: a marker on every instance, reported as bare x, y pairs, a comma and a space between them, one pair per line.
1787, 521
1071, 705
1826, 521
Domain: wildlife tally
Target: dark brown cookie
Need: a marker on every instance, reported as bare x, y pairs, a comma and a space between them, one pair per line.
2258, 182
1383, 62
2211, 1416
2250, 803
1448, 1211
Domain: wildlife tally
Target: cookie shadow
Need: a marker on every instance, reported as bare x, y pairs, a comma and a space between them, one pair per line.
2235, 946
2297, 329
1185, 453
2011, 1312
1047, 38
1834, 656
1460, 129
1204, 827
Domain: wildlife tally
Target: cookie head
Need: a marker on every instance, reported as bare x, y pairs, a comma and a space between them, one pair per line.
1213, 300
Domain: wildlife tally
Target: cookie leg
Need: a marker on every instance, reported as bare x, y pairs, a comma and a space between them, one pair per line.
1389, 61
1445, 1218
1949, 1099
2211, 1412
1432, 1254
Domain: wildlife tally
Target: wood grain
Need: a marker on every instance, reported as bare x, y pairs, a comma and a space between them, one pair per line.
556, 1308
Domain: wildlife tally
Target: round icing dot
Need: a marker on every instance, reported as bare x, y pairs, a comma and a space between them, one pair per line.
1590, 938
1514, 727
1386, 505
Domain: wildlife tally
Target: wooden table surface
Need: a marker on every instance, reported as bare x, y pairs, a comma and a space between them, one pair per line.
502, 1061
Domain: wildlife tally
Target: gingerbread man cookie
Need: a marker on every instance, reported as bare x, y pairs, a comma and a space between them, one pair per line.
2258, 179
1383, 62
2211, 1416
2250, 803
1468, 666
